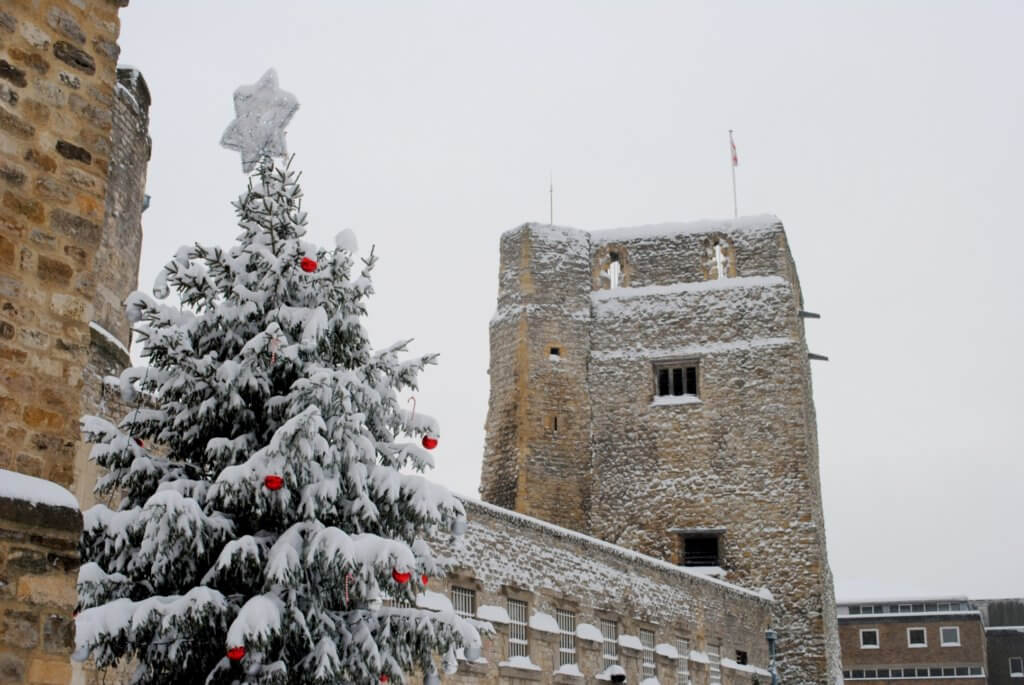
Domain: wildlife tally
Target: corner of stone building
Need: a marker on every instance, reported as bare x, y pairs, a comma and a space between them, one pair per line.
38, 556
61, 112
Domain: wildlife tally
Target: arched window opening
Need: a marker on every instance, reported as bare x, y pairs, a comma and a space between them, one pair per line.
721, 261
614, 271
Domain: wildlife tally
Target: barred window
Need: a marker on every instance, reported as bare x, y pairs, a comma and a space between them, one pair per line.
566, 637
610, 645
464, 601
648, 667
683, 663
714, 665
518, 644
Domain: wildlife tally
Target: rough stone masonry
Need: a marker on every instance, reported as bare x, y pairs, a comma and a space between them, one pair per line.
580, 434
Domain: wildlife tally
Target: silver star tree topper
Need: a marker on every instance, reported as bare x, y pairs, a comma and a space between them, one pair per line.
262, 110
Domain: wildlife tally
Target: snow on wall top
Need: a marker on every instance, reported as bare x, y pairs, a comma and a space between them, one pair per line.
497, 512
35, 490
604, 296
760, 222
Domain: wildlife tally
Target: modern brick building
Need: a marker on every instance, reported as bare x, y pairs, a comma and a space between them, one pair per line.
925, 640
1004, 639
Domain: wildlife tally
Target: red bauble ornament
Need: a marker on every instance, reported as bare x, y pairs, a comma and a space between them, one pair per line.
424, 578
429, 442
308, 265
236, 653
384, 677
273, 482
401, 578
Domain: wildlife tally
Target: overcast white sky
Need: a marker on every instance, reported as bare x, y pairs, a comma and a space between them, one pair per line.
886, 135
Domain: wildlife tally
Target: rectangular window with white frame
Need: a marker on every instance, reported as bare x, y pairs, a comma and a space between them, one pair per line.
714, 665
683, 662
610, 644
464, 601
917, 637
949, 636
648, 667
1016, 667
869, 638
518, 643
566, 637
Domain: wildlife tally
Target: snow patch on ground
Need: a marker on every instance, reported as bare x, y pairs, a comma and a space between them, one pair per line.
35, 490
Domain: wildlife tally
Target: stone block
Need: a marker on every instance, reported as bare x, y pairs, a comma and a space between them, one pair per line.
6, 251
30, 209
53, 589
72, 151
19, 628
53, 271
9, 72
35, 112
41, 419
12, 174
48, 188
34, 36
41, 161
74, 57
7, 23
49, 671
61, 21
8, 95
33, 60
12, 668
58, 633
15, 126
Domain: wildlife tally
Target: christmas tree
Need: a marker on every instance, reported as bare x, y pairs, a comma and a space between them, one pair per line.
272, 535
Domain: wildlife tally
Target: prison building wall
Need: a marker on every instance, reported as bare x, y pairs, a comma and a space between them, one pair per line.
555, 572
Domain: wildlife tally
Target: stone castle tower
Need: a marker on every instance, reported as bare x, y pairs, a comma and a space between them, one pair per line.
652, 387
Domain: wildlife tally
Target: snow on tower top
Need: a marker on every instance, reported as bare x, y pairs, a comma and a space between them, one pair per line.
759, 222
262, 110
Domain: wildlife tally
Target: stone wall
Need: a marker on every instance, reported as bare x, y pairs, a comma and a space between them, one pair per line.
742, 456
116, 264
57, 80
38, 561
505, 556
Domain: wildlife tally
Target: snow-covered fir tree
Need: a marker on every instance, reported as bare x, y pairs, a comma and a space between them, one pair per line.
264, 529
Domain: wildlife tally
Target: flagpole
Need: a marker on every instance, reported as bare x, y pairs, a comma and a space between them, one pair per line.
732, 165
551, 199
